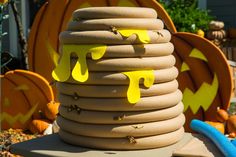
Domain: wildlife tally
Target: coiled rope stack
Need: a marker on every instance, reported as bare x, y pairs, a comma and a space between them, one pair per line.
117, 81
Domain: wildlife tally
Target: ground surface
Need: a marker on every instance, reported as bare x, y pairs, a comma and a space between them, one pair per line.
11, 136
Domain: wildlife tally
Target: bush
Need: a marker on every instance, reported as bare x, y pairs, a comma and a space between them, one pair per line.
186, 16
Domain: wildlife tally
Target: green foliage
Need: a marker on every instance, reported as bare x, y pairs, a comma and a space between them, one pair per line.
186, 16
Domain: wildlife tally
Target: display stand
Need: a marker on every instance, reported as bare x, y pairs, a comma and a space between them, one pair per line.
51, 145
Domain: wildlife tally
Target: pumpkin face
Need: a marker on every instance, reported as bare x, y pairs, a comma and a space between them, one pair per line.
201, 78
204, 77
24, 95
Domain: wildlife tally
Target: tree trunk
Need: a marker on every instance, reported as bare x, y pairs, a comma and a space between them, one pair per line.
21, 38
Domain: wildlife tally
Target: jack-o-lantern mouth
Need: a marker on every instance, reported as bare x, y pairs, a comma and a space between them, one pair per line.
203, 97
22, 118
205, 94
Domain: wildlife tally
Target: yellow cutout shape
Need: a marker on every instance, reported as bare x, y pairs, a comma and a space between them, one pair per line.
80, 71
141, 34
22, 87
85, 5
184, 67
6, 102
126, 3
133, 92
197, 54
22, 118
203, 97
53, 54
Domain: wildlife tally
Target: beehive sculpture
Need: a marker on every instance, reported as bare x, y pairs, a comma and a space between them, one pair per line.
117, 81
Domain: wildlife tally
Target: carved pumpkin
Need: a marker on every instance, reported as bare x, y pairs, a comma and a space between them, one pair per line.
204, 78
25, 95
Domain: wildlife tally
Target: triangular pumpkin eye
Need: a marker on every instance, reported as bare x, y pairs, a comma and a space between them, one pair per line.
198, 54
184, 67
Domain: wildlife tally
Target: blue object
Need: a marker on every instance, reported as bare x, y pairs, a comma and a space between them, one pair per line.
233, 142
222, 143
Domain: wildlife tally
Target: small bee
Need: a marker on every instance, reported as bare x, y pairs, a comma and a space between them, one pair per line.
137, 127
113, 29
76, 96
159, 34
74, 107
119, 117
52, 83
69, 109
78, 109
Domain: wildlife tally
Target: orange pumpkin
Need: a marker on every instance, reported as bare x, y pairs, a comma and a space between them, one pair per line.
24, 95
222, 115
231, 126
202, 65
38, 126
219, 126
204, 82
201, 33
3, 1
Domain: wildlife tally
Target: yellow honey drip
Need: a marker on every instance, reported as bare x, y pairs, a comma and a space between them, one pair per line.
80, 71
141, 34
133, 92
